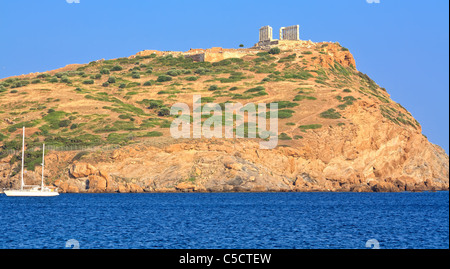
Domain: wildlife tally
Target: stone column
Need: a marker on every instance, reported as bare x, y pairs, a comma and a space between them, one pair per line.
281, 32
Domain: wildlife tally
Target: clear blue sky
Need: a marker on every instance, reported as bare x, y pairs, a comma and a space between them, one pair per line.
402, 45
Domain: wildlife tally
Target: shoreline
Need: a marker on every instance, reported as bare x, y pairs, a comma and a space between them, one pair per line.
250, 192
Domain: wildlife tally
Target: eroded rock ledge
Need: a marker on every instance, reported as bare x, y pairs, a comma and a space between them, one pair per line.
237, 166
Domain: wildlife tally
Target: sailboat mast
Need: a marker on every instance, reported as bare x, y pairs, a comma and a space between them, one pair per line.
23, 156
43, 152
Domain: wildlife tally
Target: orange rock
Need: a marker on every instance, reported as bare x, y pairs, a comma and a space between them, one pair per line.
123, 189
185, 186
234, 166
134, 188
78, 170
97, 184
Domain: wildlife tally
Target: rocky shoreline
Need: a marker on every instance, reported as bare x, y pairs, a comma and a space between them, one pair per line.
214, 166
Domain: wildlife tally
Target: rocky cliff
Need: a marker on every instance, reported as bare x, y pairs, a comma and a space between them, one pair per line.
339, 131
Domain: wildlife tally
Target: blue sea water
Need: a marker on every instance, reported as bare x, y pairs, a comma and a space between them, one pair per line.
226, 220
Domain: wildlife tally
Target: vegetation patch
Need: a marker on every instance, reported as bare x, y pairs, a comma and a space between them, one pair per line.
304, 97
330, 114
310, 126
234, 77
283, 104
284, 136
298, 75
288, 58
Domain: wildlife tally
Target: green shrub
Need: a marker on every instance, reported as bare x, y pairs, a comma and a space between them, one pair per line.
173, 72
64, 123
349, 98
303, 97
124, 125
116, 68
152, 104
284, 136
104, 71
284, 104
213, 88
288, 58
274, 50
44, 75
116, 138
264, 58
65, 79
283, 114
303, 74
53, 118
61, 74
192, 78
310, 126
111, 80
202, 71
234, 77
88, 81
163, 78
164, 111
153, 134
126, 117
256, 89
240, 96
330, 114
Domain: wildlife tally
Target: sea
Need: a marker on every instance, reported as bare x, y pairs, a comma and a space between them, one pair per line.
226, 221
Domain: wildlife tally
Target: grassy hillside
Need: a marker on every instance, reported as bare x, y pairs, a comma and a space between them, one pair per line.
126, 100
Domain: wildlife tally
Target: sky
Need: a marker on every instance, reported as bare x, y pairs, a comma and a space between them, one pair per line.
403, 45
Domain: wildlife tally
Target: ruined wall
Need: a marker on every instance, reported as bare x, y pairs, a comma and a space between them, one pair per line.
216, 54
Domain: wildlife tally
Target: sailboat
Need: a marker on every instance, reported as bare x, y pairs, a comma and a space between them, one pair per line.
32, 190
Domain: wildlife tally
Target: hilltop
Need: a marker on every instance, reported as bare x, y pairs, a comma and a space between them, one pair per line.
108, 124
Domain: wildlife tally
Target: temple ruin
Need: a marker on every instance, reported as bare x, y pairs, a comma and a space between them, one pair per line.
265, 33
288, 34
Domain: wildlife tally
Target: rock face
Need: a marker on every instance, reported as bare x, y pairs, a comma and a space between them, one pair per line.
224, 165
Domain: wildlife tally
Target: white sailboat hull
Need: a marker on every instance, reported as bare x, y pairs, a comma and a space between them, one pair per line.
33, 193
